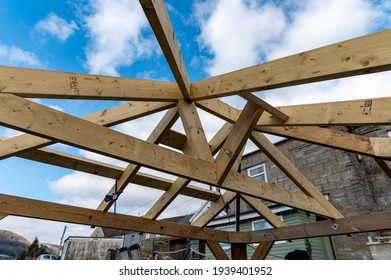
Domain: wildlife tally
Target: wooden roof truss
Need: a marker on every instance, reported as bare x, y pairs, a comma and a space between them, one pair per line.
191, 156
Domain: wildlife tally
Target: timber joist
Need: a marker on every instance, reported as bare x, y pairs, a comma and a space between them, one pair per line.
190, 156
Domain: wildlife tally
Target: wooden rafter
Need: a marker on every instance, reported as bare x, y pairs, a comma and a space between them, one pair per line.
157, 15
34, 83
108, 117
366, 54
217, 250
373, 111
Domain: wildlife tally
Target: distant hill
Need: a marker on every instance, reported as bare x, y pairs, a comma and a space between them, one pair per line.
11, 244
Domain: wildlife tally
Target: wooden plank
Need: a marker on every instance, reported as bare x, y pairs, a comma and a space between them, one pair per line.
157, 15
266, 106
262, 250
25, 207
217, 250
381, 147
195, 133
291, 171
238, 251
373, 111
19, 113
362, 55
164, 201
378, 221
329, 138
33, 83
107, 117
219, 109
131, 170
237, 139
3, 215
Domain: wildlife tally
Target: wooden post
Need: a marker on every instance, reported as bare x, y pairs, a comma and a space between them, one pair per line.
239, 251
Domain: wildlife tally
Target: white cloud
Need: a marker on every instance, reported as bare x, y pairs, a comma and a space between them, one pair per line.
318, 23
236, 33
14, 56
57, 27
115, 33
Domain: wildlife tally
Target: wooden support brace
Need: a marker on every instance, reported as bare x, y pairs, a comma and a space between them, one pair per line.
131, 170
217, 250
157, 15
266, 106
292, 172
262, 250
237, 139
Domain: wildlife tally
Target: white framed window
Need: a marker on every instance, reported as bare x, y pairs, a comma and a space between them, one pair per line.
258, 172
262, 224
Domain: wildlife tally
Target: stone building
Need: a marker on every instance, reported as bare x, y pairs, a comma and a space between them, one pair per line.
355, 184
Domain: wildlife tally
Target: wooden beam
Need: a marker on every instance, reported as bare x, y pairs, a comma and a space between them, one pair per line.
19, 113
331, 138
236, 140
239, 251
217, 250
33, 83
378, 221
131, 170
262, 250
373, 111
381, 147
25, 207
107, 117
3, 215
264, 211
266, 106
291, 171
362, 55
157, 15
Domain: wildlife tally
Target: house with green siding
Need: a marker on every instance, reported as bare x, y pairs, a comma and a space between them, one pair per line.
320, 248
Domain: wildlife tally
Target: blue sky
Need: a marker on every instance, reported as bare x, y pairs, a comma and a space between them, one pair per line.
113, 38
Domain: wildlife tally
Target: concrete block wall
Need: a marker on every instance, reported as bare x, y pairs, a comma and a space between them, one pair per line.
354, 184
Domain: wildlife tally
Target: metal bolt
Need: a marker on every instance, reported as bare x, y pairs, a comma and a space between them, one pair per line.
335, 226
